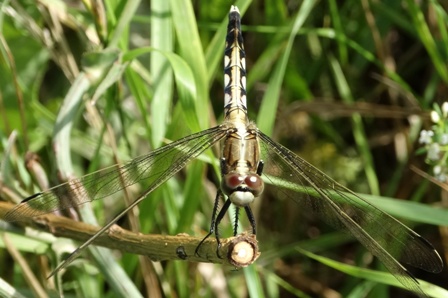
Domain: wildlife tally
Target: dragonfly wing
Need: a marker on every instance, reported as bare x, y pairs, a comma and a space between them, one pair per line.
383, 235
154, 168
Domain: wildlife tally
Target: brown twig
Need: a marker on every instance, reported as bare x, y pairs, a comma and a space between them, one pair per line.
239, 251
28, 274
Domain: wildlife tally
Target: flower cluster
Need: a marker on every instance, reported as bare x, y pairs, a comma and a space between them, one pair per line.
435, 141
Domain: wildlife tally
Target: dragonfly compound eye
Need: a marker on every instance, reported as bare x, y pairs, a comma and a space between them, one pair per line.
242, 188
231, 182
255, 184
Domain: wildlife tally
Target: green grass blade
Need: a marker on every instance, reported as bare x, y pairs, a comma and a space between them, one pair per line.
161, 38
358, 128
376, 276
427, 39
192, 52
266, 115
253, 282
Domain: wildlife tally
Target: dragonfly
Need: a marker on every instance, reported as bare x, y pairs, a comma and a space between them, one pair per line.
248, 155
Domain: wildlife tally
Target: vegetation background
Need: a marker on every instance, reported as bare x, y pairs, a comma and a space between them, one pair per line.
347, 85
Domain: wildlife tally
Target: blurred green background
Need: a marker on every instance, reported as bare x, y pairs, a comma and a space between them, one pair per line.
347, 85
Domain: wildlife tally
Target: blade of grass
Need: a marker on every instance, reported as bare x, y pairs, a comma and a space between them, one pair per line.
253, 282
124, 19
358, 128
376, 276
117, 278
191, 51
184, 77
266, 115
336, 20
7, 290
404, 209
427, 39
162, 39
270, 276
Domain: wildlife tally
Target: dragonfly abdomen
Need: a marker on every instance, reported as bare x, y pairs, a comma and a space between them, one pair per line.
235, 106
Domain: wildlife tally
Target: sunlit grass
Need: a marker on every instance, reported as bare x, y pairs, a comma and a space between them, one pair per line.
156, 76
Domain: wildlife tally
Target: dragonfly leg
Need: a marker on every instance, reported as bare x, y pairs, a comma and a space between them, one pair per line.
214, 223
251, 218
220, 216
235, 226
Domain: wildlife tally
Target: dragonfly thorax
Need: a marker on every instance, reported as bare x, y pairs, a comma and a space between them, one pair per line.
242, 189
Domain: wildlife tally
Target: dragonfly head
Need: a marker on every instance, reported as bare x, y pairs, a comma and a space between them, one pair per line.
242, 189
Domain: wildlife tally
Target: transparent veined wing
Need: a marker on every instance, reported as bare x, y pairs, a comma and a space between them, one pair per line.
383, 235
155, 168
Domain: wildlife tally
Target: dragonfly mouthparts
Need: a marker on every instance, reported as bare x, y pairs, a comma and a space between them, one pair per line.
242, 196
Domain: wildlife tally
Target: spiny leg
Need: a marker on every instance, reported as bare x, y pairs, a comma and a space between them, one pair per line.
219, 195
220, 216
251, 218
235, 225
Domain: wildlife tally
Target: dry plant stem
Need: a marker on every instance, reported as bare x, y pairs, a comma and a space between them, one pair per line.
27, 272
239, 251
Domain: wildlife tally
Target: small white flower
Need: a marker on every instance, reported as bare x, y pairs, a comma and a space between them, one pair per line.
433, 151
426, 136
435, 117
445, 109
437, 170
444, 139
441, 177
